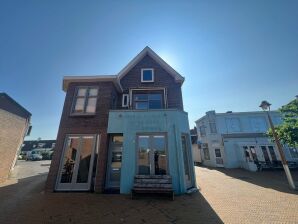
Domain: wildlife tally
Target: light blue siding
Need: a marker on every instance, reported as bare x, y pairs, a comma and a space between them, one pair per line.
172, 122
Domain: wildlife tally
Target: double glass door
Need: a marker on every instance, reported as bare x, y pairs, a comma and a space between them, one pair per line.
152, 157
77, 161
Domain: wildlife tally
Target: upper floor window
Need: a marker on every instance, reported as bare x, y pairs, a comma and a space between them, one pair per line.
233, 124
212, 127
85, 100
202, 131
147, 75
146, 101
206, 151
125, 100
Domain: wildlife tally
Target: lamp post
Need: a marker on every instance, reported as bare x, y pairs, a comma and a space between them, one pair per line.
266, 107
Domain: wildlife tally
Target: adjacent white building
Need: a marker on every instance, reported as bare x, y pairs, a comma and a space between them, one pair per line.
238, 140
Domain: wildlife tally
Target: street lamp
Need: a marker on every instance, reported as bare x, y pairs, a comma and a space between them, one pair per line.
266, 107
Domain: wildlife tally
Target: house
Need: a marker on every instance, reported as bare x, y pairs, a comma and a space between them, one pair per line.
238, 140
15, 125
114, 127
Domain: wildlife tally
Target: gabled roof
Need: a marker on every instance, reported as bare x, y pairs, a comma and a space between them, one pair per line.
148, 51
116, 78
9, 104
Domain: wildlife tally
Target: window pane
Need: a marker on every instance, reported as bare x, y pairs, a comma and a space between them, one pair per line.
69, 160
82, 91
85, 157
217, 153
91, 106
141, 96
147, 75
272, 153
185, 158
141, 105
124, 100
154, 96
79, 107
155, 104
144, 152
93, 92
160, 158
213, 127
294, 152
117, 139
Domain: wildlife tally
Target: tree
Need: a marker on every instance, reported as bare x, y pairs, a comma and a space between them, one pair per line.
288, 131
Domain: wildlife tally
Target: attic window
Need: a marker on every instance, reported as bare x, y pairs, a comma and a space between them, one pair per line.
147, 75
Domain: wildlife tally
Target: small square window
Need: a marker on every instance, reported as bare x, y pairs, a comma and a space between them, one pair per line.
147, 75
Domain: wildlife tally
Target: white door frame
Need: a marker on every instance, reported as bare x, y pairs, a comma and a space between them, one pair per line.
73, 186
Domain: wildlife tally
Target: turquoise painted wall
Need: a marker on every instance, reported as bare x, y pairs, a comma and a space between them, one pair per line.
173, 122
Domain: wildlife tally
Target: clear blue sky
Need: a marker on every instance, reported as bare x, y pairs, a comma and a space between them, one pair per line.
233, 54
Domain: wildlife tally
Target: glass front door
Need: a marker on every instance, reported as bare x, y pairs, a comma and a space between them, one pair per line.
115, 161
152, 158
187, 172
75, 169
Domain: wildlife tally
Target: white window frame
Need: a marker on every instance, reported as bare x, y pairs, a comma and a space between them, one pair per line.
148, 89
145, 69
123, 100
86, 97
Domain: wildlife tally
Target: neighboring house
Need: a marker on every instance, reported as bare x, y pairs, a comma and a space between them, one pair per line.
196, 152
116, 126
238, 140
29, 145
15, 124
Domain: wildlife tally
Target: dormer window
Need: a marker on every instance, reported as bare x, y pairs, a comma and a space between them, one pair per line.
147, 75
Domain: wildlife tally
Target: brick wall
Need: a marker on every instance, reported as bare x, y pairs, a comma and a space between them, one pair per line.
161, 79
12, 132
96, 124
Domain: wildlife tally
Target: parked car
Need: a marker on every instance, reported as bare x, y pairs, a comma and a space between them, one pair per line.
34, 156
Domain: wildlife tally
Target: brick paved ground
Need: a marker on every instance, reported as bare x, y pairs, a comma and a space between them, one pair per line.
233, 196
239, 196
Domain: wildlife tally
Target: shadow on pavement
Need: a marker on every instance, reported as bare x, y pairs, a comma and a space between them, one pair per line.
26, 202
274, 179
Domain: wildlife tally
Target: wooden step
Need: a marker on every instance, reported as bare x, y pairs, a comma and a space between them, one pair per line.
153, 181
136, 185
153, 177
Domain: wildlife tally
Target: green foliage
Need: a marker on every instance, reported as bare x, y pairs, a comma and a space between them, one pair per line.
288, 131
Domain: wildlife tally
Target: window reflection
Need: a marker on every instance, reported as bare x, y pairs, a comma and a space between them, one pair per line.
144, 163
150, 100
160, 160
152, 155
85, 156
69, 160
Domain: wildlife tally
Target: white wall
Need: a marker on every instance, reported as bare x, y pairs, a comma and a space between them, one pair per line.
196, 153
245, 124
